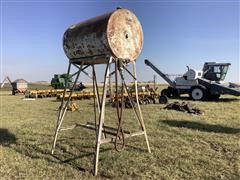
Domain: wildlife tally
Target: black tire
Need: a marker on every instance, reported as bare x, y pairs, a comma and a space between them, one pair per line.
163, 99
170, 92
197, 93
165, 92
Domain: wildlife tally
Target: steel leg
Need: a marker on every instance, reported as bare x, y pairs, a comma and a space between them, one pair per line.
101, 119
139, 109
64, 106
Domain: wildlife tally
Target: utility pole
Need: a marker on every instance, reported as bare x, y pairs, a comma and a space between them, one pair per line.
154, 81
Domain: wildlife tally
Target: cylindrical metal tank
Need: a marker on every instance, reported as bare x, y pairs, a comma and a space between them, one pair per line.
118, 33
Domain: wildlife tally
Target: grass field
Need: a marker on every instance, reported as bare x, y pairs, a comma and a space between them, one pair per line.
183, 146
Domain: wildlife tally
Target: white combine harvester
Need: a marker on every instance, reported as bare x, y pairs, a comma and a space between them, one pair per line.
200, 85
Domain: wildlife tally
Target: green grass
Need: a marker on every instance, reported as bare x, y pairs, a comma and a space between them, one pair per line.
183, 146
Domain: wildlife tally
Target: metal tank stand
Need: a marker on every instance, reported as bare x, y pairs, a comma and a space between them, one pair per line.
118, 134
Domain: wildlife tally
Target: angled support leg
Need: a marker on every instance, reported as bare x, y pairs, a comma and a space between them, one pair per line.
101, 118
64, 105
138, 106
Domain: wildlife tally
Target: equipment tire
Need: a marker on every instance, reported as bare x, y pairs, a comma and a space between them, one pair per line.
198, 93
165, 92
163, 99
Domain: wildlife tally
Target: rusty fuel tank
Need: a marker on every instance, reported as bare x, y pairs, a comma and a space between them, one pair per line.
118, 34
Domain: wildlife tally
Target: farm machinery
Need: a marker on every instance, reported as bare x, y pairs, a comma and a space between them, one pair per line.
58, 82
76, 95
43, 93
200, 85
146, 95
18, 86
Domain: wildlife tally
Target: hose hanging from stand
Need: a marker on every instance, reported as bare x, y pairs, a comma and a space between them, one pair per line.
120, 132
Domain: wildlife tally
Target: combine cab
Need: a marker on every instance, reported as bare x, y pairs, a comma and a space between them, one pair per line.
215, 71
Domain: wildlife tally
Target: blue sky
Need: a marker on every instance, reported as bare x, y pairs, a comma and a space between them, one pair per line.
176, 34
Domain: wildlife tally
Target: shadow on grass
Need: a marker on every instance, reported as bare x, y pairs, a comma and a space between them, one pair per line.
228, 100
61, 155
6, 137
201, 126
186, 98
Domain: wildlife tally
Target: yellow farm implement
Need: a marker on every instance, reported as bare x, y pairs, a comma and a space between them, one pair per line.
44, 93
76, 95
